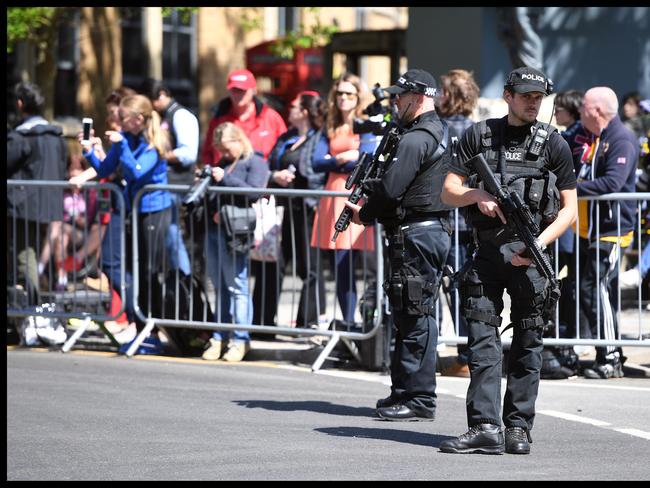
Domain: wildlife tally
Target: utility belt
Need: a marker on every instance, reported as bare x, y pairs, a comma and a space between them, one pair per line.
406, 288
430, 219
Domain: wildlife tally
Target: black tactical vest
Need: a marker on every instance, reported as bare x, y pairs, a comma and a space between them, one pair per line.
423, 194
526, 175
177, 174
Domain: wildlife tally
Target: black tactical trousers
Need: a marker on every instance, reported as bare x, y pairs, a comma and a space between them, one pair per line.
413, 365
482, 292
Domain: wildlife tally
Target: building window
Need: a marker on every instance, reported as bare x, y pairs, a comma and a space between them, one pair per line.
65, 99
179, 58
179, 54
288, 18
134, 69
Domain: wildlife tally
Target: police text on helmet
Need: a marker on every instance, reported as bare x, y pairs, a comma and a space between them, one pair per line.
532, 77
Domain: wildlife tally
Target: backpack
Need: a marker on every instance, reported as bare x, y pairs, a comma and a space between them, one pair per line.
193, 305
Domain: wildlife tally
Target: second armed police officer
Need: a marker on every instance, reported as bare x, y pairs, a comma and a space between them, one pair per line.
539, 167
407, 202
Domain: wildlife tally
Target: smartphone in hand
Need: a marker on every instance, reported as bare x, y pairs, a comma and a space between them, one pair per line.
87, 126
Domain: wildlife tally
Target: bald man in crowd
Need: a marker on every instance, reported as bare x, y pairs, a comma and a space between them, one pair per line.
608, 166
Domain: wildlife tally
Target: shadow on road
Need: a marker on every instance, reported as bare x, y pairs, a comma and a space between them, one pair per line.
406, 436
319, 407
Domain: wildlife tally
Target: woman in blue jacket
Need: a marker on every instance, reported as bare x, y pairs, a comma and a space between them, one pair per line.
227, 261
137, 150
291, 162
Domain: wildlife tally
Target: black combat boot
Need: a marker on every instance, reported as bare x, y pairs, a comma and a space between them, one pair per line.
480, 438
518, 440
403, 413
387, 402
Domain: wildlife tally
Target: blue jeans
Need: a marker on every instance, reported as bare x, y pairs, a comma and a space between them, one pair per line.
644, 262
112, 261
229, 274
178, 256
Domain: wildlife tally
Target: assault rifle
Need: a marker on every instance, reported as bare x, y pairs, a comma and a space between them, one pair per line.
367, 171
520, 220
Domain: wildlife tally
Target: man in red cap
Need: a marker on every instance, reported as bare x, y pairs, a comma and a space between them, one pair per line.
243, 108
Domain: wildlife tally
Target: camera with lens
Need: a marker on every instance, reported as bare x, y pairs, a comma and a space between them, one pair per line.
378, 115
197, 192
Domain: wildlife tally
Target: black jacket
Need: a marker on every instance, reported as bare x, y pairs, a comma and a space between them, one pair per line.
411, 186
614, 171
36, 153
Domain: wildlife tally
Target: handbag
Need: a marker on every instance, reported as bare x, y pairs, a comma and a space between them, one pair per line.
239, 225
237, 220
268, 232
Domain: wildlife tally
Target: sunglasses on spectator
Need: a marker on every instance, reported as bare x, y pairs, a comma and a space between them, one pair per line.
345, 94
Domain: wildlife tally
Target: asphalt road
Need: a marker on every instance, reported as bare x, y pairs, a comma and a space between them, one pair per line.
97, 416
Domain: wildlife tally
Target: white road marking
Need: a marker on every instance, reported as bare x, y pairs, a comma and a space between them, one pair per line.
573, 384
635, 432
597, 423
574, 418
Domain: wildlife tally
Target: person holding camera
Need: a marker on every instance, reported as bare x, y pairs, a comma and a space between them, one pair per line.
534, 162
407, 202
226, 250
346, 101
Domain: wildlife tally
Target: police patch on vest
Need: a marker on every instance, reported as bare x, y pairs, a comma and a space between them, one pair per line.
514, 156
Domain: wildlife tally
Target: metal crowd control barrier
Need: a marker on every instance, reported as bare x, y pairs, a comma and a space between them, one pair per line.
198, 227
54, 243
27, 242
642, 335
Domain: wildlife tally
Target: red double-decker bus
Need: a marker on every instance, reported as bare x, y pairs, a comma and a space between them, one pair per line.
279, 80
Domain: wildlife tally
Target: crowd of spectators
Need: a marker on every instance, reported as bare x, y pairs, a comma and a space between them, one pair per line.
151, 138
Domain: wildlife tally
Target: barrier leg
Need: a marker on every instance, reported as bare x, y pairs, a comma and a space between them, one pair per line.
326, 352
73, 338
108, 334
139, 338
352, 347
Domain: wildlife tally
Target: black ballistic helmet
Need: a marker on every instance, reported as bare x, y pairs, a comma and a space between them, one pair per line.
525, 80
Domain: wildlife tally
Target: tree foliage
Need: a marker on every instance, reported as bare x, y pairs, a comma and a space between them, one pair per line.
185, 13
317, 34
35, 25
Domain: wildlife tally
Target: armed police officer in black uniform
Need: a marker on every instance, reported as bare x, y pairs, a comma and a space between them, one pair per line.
407, 202
534, 161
